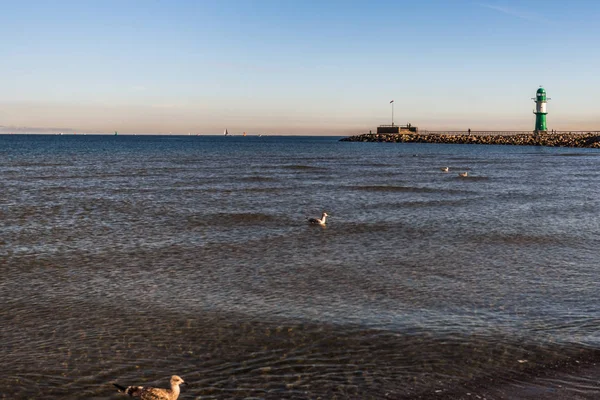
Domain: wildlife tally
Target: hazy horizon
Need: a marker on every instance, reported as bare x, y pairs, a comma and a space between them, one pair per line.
307, 68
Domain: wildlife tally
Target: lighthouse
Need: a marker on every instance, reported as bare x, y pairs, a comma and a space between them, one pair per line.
540, 111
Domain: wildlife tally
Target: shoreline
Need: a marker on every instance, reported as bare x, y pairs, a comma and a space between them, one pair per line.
581, 140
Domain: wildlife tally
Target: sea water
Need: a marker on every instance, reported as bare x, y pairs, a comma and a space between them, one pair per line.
132, 258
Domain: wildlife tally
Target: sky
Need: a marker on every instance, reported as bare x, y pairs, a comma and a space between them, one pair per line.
325, 67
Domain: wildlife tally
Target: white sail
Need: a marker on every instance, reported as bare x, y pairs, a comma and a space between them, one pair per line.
226, 133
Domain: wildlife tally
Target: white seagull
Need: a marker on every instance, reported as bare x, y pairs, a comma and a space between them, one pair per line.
150, 393
317, 221
463, 174
445, 169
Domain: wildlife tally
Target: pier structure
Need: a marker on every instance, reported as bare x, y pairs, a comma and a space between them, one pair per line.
393, 128
540, 111
396, 128
539, 137
519, 138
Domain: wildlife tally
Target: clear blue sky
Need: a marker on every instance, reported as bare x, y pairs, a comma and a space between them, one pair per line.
296, 67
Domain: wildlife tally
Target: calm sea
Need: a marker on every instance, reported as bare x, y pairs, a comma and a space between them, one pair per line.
131, 258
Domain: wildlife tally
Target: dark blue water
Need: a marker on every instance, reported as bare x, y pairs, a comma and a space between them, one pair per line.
131, 258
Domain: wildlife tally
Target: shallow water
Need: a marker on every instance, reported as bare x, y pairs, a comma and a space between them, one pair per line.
129, 259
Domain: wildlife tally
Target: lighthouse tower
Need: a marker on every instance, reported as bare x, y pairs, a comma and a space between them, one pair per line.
540, 111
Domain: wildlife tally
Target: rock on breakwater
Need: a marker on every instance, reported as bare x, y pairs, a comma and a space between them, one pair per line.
549, 139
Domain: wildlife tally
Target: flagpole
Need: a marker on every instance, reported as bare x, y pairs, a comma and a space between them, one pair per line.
392, 112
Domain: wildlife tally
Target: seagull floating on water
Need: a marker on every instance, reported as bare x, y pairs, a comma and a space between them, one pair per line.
463, 174
317, 221
445, 169
150, 393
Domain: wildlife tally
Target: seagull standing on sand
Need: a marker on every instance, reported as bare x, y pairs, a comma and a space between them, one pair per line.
150, 393
317, 221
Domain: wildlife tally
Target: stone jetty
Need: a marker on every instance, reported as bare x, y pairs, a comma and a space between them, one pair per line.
562, 139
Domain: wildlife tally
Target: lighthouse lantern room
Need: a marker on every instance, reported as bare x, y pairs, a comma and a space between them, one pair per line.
540, 111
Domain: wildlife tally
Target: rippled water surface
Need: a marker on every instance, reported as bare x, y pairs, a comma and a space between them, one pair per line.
129, 259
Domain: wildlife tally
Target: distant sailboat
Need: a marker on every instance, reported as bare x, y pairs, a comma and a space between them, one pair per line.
116, 133
226, 133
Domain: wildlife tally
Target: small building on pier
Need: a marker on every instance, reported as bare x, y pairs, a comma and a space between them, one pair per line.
397, 128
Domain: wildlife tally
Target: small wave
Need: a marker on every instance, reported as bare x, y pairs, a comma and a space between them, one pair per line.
520, 239
434, 203
38, 164
269, 190
233, 219
473, 178
404, 189
257, 178
374, 165
576, 154
304, 167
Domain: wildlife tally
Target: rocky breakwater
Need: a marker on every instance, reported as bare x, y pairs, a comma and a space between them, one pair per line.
549, 139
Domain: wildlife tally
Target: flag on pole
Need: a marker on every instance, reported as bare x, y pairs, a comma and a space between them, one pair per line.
391, 101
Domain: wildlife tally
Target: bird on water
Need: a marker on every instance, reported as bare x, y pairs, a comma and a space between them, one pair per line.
150, 393
318, 221
445, 169
463, 174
